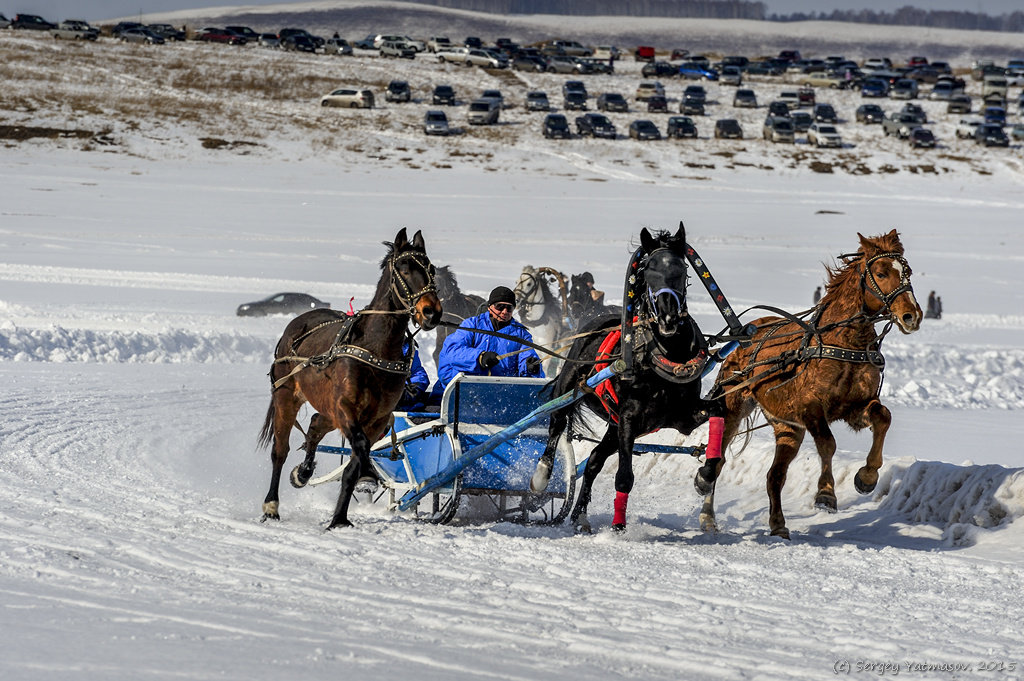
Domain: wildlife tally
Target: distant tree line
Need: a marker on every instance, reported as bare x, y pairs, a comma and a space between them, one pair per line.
912, 16
740, 9
702, 9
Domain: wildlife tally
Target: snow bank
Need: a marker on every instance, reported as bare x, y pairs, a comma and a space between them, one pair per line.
173, 346
960, 500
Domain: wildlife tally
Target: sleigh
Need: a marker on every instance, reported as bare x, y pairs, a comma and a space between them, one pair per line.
481, 450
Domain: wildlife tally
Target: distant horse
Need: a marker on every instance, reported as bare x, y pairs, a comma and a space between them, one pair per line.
540, 310
806, 375
582, 304
669, 353
351, 369
457, 305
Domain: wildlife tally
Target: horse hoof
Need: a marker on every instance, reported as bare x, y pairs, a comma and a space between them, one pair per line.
270, 511
541, 476
781, 532
702, 485
366, 485
300, 476
583, 526
707, 523
338, 523
862, 486
826, 502
268, 516
618, 528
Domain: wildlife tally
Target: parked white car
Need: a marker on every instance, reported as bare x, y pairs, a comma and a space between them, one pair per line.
351, 98
483, 112
824, 135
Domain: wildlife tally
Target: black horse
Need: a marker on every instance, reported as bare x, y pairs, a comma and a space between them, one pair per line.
663, 390
457, 305
586, 303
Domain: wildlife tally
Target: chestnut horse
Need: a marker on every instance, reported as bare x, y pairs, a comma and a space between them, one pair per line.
805, 375
351, 369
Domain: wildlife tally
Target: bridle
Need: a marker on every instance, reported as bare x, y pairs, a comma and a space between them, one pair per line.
400, 287
652, 295
870, 284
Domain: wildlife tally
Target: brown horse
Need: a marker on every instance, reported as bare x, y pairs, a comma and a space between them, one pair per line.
805, 375
352, 370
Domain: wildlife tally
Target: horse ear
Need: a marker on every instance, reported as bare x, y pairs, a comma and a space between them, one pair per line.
865, 243
648, 242
680, 234
417, 240
401, 239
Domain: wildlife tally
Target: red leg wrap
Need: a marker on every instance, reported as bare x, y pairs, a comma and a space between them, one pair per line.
716, 427
621, 499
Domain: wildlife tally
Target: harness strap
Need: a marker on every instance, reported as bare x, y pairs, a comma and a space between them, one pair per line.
605, 391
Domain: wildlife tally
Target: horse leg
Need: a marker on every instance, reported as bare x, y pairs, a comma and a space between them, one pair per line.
707, 474
736, 409
319, 426
542, 473
787, 444
880, 418
595, 463
284, 407
825, 443
624, 474
360, 462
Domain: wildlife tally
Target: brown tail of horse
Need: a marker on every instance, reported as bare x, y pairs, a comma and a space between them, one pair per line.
266, 436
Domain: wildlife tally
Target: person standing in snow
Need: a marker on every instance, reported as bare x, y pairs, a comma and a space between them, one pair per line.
817, 295
478, 354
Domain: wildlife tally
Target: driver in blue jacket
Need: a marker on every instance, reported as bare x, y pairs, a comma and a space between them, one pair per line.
477, 354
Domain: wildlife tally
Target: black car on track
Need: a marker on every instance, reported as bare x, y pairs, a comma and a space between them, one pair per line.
281, 303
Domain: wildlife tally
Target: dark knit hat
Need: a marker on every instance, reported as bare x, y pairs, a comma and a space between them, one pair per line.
501, 294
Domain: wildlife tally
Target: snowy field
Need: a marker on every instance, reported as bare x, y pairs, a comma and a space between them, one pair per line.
130, 541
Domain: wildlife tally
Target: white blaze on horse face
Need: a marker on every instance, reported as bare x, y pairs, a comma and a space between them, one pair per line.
898, 266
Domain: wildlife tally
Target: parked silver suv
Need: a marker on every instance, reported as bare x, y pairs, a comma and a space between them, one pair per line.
483, 112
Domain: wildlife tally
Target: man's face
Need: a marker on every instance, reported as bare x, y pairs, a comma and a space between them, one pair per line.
501, 311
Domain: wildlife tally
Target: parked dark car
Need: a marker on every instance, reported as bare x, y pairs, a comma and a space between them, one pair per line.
691, 107
657, 104
874, 87
281, 303
526, 62
556, 125
537, 100
870, 113
222, 35
398, 91
802, 120
250, 35
167, 32
959, 104
612, 101
680, 127
991, 135
778, 108
659, 68
644, 130
745, 98
443, 94
595, 125
922, 138
728, 128
824, 113
31, 22
575, 100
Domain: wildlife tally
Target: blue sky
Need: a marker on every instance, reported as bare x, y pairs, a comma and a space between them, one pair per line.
95, 10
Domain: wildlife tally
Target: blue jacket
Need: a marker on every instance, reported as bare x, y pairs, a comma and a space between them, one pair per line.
462, 348
417, 379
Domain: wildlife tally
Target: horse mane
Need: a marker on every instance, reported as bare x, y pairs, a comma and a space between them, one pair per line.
846, 275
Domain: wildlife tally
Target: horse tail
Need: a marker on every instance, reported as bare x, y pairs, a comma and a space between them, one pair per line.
748, 433
266, 435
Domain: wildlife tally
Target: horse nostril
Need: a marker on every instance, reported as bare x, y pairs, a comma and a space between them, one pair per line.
909, 319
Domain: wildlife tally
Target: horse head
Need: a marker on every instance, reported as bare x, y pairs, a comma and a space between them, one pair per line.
412, 280
664, 277
447, 285
885, 281
529, 292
